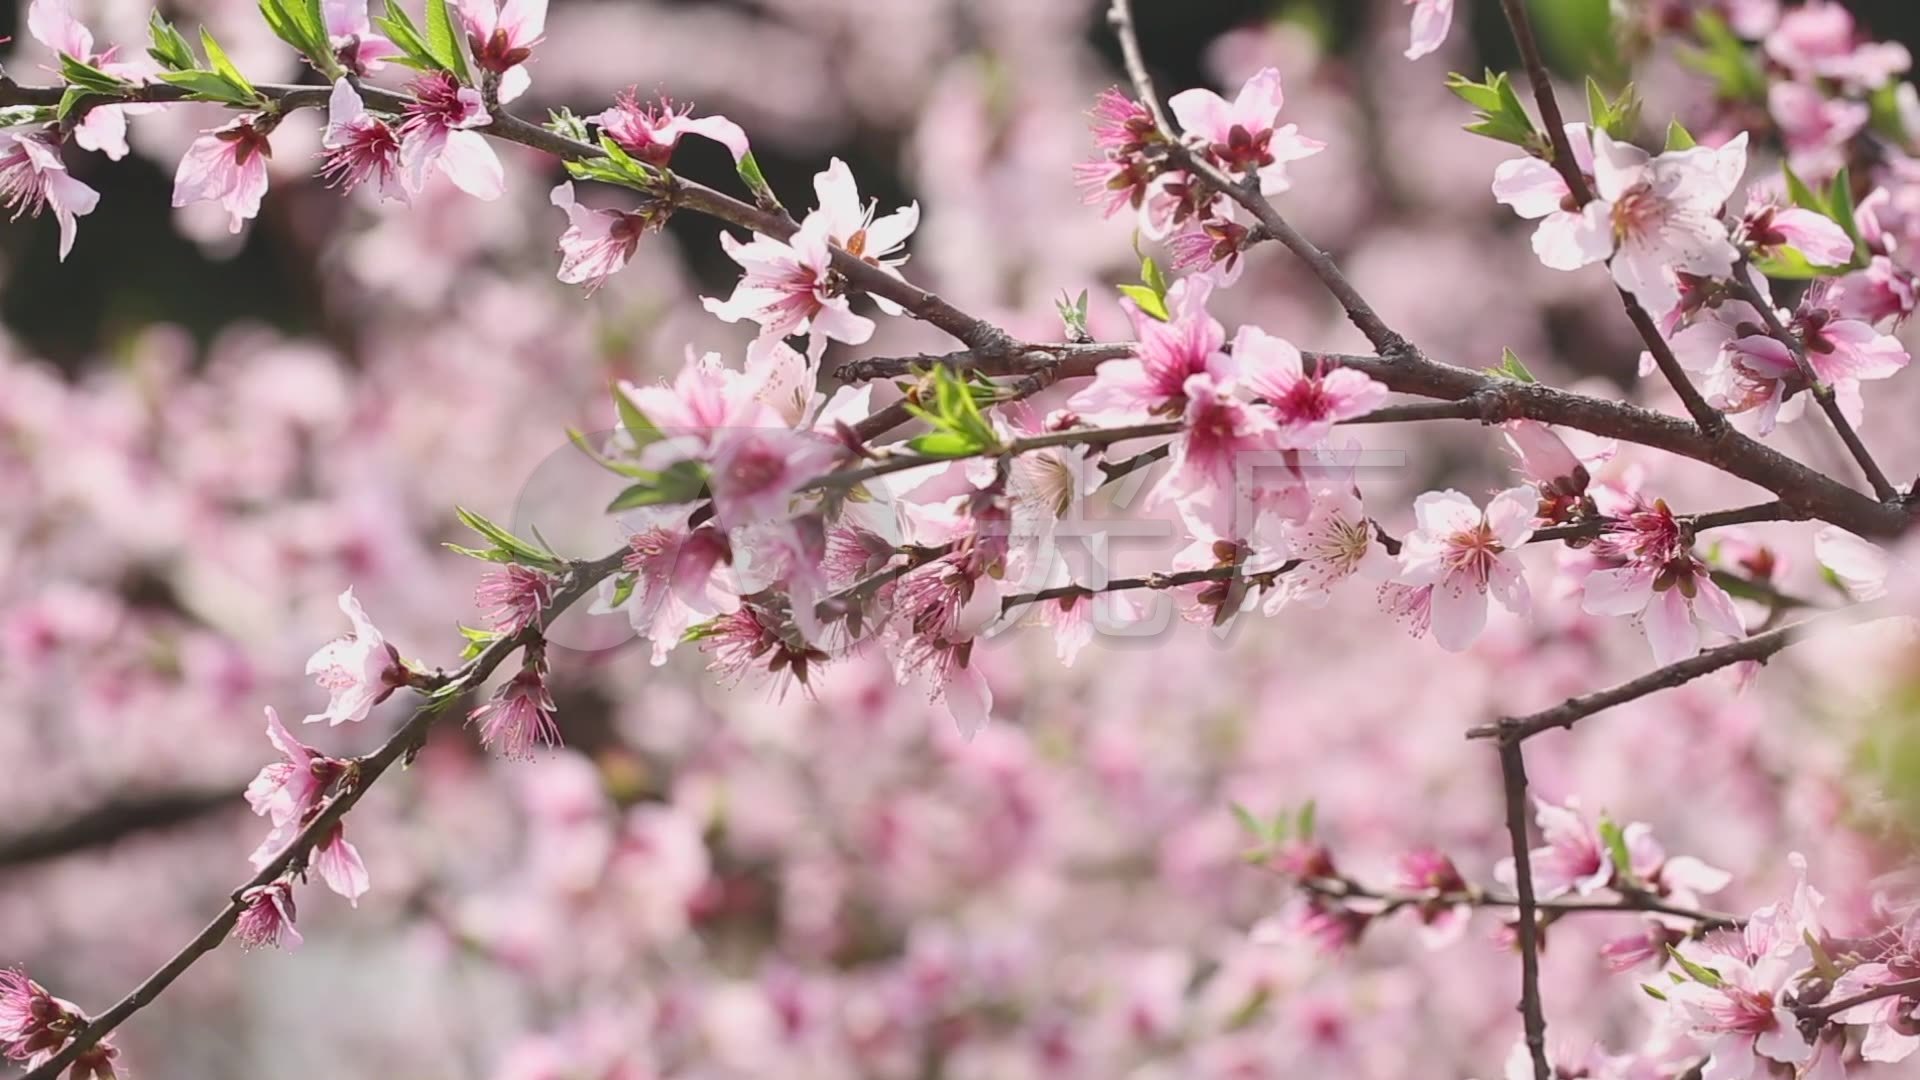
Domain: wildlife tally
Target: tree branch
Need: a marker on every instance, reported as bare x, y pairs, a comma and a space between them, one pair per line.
114, 821
1516, 729
1359, 312
1568, 166
1344, 888
443, 687
1513, 773
1822, 393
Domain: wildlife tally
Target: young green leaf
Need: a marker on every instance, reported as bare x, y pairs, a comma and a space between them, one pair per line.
168, 48
443, 42
84, 75
749, 172
1617, 116
1726, 59
1678, 137
1616, 844
516, 549
1510, 367
1840, 208
1499, 114
1303, 824
945, 444
1146, 300
1697, 972
1151, 276
399, 28
1802, 195
207, 86
679, 483
223, 67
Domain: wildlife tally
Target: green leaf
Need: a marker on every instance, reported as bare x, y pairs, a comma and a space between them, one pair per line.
206, 86
519, 550
682, 482
400, 29
223, 67
483, 554
1073, 315
84, 75
1616, 843
1789, 265
1303, 823
1802, 195
635, 421
1578, 36
1886, 120
1618, 116
1150, 275
1723, 57
169, 49
68, 100
1251, 1009
1698, 973
613, 465
1510, 367
1653, 992
443, 42
749, 172
1499, 114
623, 585
1146, 299
1678, 137
1247, 821
477, 641
1840, 208
312, 19
944, 444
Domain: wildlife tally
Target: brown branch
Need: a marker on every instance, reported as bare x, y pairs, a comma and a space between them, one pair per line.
1563, 160
908, 459
1802, 492
114, 821
443, 687
1627, 903
1026, 360
1568, 167
1515, 729
1712, 519
1822, 393
1359, 312
1824, 1011
976, 333
1157, 582
1513, 772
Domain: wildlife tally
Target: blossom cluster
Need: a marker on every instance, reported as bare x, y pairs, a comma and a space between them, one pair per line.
769, 523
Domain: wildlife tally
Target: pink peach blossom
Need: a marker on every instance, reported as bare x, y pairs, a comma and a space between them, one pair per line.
437, 133
1241, 134
33, 179
358, 671
1465, 553
360, 147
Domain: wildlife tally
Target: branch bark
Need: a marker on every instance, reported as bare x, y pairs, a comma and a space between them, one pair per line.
1513, 773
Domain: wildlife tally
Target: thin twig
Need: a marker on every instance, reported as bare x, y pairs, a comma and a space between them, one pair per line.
1513, 772
1626, 903
1158, 581
114, 821
1822, 393
363, 772
1710, 420
1359, 312
1824, 1011
1569, 712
